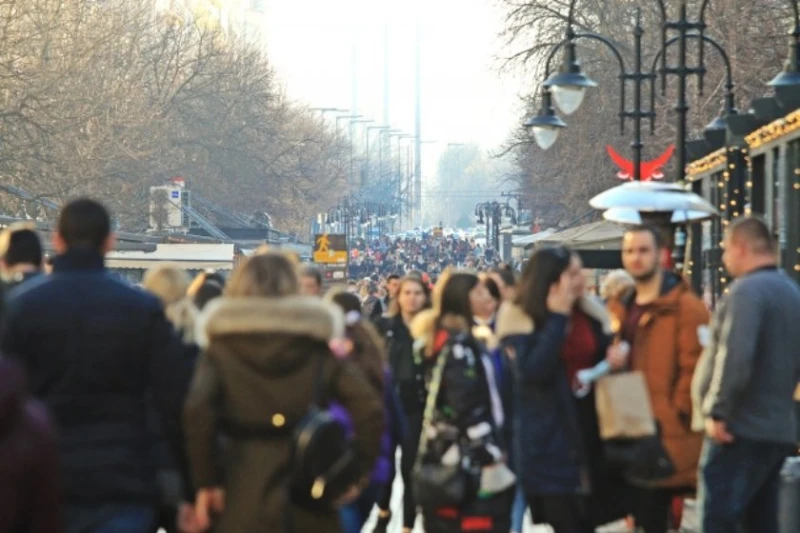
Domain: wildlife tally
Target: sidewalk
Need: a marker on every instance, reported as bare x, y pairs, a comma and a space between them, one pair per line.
689, 518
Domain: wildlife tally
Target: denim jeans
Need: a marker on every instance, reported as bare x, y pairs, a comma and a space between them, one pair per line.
115, 518
518, 511
738, 486
354, 516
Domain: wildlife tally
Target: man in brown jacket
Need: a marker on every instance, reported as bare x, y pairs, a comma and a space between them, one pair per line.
662, 320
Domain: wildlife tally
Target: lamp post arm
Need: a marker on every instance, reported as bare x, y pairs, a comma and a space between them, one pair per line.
729, 96
550, 56
622, 70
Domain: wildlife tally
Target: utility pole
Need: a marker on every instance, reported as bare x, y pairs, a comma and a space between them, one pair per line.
384, 141
418, 130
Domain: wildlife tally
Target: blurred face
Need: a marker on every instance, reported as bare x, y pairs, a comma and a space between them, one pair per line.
577, 281
732, 255
481, 302
392, 286
309, 286
640, 257
411, 298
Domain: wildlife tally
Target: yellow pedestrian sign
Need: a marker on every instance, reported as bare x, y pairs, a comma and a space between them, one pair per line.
330, 249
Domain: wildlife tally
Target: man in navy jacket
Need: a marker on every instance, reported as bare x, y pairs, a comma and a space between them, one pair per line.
94, 348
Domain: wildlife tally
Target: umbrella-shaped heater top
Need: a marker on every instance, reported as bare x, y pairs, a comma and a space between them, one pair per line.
632, 202
628, 215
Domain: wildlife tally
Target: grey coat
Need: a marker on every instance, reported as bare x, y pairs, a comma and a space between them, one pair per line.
751, 366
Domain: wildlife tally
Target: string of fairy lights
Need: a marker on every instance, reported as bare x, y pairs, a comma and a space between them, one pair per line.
730, 169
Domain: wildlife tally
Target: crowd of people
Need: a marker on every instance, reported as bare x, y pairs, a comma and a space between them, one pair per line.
381, 257
259, 404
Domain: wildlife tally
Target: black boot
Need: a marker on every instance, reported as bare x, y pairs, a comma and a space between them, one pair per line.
383, 523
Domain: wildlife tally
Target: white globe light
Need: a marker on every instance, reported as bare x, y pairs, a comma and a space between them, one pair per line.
545, 137
568, 97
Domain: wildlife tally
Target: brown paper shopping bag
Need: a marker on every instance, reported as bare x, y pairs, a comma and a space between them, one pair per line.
623, 407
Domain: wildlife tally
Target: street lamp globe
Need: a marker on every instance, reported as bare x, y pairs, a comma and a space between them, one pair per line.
570, 83
568, 97
546, 125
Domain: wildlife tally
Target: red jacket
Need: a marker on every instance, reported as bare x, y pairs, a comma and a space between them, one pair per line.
30, 491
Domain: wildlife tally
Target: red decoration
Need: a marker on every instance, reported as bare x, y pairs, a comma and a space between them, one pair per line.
650, 170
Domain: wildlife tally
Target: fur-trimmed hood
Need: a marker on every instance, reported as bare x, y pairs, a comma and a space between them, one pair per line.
287, 316
512, 320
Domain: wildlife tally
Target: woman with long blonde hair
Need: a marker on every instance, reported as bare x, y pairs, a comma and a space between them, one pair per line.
169, 284
265, 352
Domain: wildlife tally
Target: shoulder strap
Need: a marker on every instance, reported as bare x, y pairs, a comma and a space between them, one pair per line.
431, 398
319, 393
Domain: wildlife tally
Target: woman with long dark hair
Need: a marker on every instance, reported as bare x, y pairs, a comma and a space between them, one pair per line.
463, 415
553, 332
412, 298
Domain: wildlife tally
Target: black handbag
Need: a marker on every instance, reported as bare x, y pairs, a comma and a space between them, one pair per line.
643, 461
435, 484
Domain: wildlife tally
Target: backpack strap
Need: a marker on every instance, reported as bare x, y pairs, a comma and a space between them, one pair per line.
319, 395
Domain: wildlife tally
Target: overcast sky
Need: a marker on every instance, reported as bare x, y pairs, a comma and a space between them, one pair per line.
464, 99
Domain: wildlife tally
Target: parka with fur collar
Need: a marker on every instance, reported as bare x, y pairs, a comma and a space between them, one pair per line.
257, 373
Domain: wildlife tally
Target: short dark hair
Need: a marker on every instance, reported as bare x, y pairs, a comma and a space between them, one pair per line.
755, 232
391, 277
309, 271
84, 223
506, 273
656, 232
22, 246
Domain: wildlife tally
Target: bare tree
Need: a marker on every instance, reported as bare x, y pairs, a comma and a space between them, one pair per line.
559, 182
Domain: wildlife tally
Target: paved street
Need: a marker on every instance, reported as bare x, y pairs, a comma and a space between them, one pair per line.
689, 519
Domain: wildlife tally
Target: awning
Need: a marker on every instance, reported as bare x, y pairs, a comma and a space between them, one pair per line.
185, 256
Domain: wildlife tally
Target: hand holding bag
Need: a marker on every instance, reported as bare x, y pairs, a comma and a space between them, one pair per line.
628, 428
623, 407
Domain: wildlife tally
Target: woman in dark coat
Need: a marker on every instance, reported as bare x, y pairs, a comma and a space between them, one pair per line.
262, 347
412, 297
467, 413
552, 332
30, 488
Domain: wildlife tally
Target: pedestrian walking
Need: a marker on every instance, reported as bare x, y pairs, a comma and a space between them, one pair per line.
463, 417
21, 254
94, 349
744, 386
412, 298
262, 349
552, 332
170, 284
662, 321
364, 346
30, 484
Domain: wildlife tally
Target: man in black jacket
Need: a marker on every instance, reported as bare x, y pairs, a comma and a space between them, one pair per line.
93, 348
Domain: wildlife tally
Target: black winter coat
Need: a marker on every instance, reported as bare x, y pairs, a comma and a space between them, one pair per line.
408, 374
93, 347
